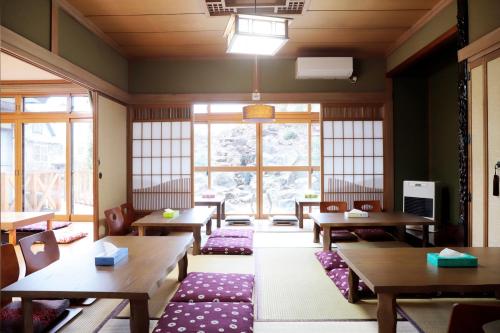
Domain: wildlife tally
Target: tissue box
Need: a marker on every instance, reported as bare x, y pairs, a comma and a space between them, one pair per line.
311, 196
466, 260
170, 214
110, 259
355, 214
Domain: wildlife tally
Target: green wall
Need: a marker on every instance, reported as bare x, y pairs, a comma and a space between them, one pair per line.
28, 18
410, 133
85, 49
235, 76
443, 133
437, 26
484, 17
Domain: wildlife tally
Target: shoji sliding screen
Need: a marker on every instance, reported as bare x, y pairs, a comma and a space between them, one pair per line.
352, 153
161, 149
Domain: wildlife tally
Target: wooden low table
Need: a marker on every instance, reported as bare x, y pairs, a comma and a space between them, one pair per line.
300, 203
328, 221
218, 201
135, 278
389, 272
191, 219
10, 221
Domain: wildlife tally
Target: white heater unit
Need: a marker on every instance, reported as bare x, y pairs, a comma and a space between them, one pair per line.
324, 68
422, 199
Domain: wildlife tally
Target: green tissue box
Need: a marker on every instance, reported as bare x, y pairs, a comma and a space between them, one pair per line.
466, 260
169, 213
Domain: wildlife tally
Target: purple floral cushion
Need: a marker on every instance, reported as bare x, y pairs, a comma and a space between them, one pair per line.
228, 246
373, 234
232, 233
343, 236
42, 226
44, 314
206, 317
340, 276
330, 260
215, 287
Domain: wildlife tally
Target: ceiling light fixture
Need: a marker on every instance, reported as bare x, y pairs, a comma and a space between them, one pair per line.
257, 113
256, 34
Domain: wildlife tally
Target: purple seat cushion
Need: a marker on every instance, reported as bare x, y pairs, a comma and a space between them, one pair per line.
340, 276
373, 234
343, 236
232, 233
330, 260
215, 287
42, 226
228, 246
45, 313
206, 317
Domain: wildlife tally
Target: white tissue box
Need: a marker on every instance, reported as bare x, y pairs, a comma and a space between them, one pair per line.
356, 213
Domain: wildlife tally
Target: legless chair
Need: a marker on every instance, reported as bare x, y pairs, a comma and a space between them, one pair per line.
371, 234
342, 235
50, 253
115, 222
470, 318
46, 313
128, 213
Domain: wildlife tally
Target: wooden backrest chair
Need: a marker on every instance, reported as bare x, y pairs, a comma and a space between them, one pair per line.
41, 259
128, 213
333, 206
9, 269
368, 205
467, 318
115, 222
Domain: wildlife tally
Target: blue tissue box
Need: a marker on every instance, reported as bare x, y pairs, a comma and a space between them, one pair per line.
465, 261
106, 259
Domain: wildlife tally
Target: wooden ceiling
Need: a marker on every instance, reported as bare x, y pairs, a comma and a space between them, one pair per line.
183, 28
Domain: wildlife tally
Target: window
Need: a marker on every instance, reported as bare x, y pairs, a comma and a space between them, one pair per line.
7, 167
82, 166
259, 168
81, 104
46, 104
7, 104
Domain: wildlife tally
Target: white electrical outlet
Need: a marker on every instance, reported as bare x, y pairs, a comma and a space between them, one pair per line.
256, 96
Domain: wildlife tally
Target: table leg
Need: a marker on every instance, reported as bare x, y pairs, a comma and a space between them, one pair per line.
183, 266
297, 210
12, 237
141, 231
316, 233
425, 236
209, 226
386, 313
139, 316
401, 230
219, 208
353, 296
197, 241
327, 238
223, 216
27, 305
49, 224
301, 216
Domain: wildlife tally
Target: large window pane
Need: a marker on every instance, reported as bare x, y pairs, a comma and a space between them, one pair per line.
7, 104
315, 144
285, 144
82, 180
280, 190
200, 182
200, 108
291, 107
233, 144
200, 144
226, 108
7, 167
46, 104
45, 167
81, 104
239, 188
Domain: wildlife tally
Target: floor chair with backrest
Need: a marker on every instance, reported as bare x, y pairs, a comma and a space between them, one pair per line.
342, 235
471, 318
46, 313
371, 234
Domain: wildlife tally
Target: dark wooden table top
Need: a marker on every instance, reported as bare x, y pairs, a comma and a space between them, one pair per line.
399, 270
149, 260
376, 219
215, 200
307, 200
197, 216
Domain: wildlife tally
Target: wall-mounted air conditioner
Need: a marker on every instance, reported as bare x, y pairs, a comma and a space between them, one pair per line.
422, 199
324, 68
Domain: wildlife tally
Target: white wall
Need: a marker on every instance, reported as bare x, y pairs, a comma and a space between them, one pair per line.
112, 152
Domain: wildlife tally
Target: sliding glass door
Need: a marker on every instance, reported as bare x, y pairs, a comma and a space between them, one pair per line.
7, 167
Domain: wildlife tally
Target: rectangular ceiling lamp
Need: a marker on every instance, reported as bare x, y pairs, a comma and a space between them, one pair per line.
254, 34
258, 113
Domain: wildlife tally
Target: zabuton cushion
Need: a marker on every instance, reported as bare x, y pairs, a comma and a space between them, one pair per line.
232, 233
343, 236
330, 260
216, 245
373, 234
45, 313
206, 317
215, 287
70, 236
340, 276
42, 226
